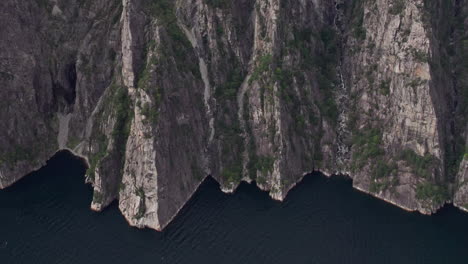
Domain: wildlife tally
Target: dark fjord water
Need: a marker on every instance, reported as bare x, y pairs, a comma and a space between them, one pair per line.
45, 218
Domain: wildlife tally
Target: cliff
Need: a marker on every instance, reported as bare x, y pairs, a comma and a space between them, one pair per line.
156, 95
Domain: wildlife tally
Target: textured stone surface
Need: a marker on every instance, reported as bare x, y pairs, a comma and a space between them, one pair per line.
159, 94
395, 92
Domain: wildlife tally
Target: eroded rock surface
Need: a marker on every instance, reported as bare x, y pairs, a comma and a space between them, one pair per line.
159, 94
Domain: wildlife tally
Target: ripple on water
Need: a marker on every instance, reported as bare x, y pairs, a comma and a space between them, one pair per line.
46, 219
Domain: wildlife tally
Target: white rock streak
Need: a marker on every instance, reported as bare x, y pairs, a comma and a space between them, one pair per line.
204, 74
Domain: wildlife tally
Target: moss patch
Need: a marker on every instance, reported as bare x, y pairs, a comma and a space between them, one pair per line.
431, 194
421, 165
368, 145
142, 206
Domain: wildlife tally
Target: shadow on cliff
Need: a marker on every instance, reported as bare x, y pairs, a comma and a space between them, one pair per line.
50, 166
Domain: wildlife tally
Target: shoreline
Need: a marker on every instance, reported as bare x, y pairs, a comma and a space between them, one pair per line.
232, 191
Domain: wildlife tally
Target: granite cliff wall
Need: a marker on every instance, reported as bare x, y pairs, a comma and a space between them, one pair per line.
159, 94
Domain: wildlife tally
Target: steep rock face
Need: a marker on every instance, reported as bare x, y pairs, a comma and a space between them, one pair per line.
166, 150
461, 192
415, 100
449, 89
458, 116
57, 59
159, 94
397, 127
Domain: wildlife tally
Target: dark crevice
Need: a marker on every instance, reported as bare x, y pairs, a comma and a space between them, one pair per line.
70, 73
447, 84
64, 86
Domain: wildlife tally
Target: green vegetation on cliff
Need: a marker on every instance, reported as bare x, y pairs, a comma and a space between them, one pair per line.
142, 205
119, 105
368, 145
450, 66
397, 7
263, 64
420, 165
232, 147
178, 46
97, 197
227, 124
124, 115
326, 63
228, 90
431, 194
318, 53
264, 164
385, 87
94, 158
29, 151
18, 154
368, 150
232, 174
218, 3
149, 110
358, 29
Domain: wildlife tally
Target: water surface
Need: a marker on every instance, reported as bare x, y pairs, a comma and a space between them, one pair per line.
45, 218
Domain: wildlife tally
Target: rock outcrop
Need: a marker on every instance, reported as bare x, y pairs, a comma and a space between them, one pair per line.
156, 95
